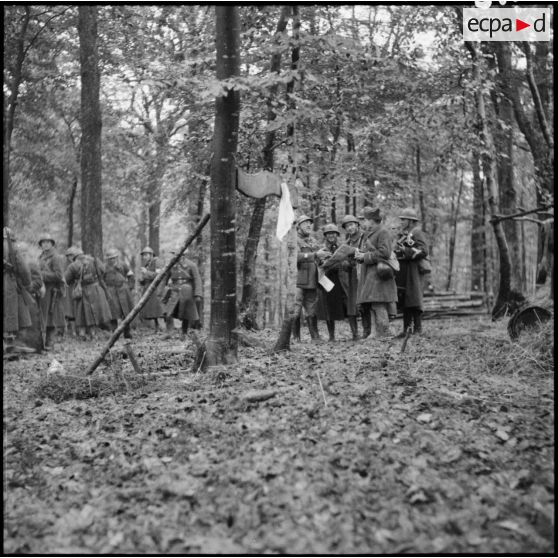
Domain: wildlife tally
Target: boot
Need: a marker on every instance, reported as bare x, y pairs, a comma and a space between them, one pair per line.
366, 324
127, 334
313, 327
331, 329
49, 338
296, 329
417, 321
113, 324
184, 328
407, 321
353, 326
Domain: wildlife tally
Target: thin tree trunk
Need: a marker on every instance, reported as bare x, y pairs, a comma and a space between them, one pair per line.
420, 190
73, 192
453, 233
248, 306
478, 237
222, 344
505, 295
91, 190
9, 113
289, 274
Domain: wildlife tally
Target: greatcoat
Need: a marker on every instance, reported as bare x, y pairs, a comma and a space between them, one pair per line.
152, 308
92, 308
410, 282
332, 305
355, 241
185, 284
52, 304
307, 274
17, 279
376, 245
118, 293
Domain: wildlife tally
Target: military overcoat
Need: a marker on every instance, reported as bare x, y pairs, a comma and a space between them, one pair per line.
52, 304
332, 305
409, 280
118, 292
153, 307
184, 283
355, 241
376, 245
17, 279
307, 271
92, 309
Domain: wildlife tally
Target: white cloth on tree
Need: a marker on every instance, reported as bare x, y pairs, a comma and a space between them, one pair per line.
286, 215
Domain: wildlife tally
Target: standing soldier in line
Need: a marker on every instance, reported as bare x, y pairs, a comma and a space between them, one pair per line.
410, 249
332, 305
52, 305
117, 277
354, 239
152, 310
91, 307
69, 303
376, 288
17, 279
184, 295
307, 278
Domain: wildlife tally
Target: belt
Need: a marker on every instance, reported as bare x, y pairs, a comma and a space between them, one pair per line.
180, 281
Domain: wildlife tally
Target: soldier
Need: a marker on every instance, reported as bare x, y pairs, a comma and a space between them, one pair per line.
332, 305
152, 310
376, 287
52, 304
117, 277
307, 278
17, 279
183, 297
91, 307
69, 304
354, 239
410, 249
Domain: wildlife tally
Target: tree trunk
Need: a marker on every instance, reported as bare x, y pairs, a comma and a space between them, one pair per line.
91, 191
289, 273
71, 199
248, 306
478, 236
222, 343
420, 190
505, 295
453, 233
9, 112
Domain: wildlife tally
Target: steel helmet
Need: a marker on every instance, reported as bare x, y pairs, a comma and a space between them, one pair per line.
303, 218
384, 271
349, 219
409, 213
46, 236
112, 254
329, 228
147, 250
71, 251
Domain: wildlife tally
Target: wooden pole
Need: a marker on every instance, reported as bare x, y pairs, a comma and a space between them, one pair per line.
135, 310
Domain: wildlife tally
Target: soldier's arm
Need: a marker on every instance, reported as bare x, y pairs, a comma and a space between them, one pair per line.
54, 273
420, 244
70, 275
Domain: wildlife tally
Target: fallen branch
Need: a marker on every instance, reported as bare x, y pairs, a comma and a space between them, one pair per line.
258, 395
496, 218
150, 290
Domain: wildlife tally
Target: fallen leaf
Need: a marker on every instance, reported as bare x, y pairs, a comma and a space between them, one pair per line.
502, 435
424, 417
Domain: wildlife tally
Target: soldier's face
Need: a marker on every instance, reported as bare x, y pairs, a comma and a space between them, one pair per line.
331, 237
112, 261
45, 245
146, 257
351, 228
305, 227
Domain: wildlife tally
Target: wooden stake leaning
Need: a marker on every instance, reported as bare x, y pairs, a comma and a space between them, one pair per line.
321, 387
150, 290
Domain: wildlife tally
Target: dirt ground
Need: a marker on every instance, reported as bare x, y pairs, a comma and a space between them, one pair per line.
446, 448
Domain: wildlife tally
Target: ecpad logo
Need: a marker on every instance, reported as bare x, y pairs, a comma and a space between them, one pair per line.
506, 24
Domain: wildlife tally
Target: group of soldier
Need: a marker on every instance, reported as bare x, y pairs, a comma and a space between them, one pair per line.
374, 272
76, 293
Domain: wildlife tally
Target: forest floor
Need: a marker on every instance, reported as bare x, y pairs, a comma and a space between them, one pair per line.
445, 448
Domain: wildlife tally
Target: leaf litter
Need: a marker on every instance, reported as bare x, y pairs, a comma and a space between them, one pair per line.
447, 447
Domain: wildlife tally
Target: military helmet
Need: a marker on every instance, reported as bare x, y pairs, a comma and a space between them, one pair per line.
147, 250
46, 236
112, 254
329, 228
409, 213
71, 251
78, 252
349, 219
302, 219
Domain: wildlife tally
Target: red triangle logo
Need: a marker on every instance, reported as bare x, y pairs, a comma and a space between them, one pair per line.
519, 24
